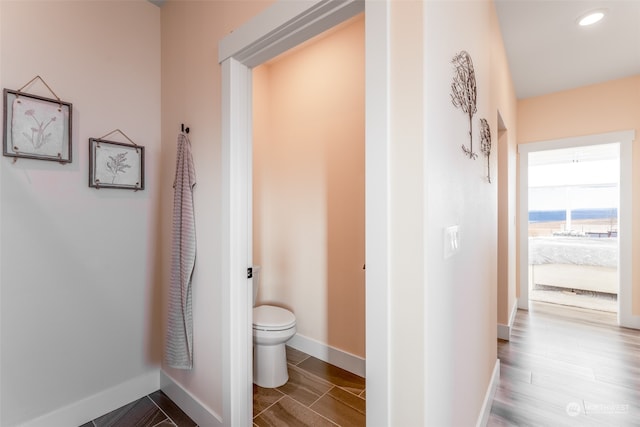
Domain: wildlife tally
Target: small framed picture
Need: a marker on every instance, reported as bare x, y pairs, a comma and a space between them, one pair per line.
115, 165
36, 127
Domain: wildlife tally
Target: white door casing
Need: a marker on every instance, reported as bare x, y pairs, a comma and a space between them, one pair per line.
625, 139
279, 28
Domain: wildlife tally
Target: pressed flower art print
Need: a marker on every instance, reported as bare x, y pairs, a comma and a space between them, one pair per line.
115, 165
37, 127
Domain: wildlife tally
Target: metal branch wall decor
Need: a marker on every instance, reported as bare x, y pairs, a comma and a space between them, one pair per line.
485, 144
464, 93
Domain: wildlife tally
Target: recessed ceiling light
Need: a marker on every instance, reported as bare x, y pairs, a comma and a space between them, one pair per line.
591, 18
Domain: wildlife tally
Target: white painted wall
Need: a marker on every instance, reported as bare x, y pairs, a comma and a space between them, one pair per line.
408, 343
78, 285
460, 291
1, 299
443, 311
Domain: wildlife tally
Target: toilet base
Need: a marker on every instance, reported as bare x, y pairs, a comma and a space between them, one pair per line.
270, 365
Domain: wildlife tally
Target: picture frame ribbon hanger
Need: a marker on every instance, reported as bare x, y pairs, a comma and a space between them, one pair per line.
121, 133
44, 83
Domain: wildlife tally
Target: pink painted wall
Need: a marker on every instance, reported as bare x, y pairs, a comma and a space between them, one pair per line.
504, 153
606, 107
191, 94
442, 313
308, 194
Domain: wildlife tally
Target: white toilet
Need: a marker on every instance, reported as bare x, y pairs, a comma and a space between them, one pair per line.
272, 327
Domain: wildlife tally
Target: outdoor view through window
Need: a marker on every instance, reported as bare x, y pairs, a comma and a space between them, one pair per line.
573, 226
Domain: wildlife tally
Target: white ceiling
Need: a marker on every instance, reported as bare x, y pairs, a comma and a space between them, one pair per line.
548, 52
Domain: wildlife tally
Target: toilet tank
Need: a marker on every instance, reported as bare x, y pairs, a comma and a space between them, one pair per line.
256, 282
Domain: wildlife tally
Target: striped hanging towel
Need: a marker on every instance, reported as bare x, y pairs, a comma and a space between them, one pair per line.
179, 342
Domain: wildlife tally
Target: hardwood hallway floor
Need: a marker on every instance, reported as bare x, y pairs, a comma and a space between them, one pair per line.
317, 394
568, 367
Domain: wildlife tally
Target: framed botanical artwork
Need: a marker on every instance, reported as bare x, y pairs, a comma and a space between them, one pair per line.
36, 127
115, 165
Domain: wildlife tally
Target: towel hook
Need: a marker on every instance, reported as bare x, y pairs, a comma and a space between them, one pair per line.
183, 129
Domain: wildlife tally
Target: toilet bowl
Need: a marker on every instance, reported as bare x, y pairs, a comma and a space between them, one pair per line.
272, 328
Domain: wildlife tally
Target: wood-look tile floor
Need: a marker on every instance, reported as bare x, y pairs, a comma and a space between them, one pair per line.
568, 366
317, 394
153, 410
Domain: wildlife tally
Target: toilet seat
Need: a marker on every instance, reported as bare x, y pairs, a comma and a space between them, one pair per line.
272, 318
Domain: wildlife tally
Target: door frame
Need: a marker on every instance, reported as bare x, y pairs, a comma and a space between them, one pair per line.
625, 239
280, 27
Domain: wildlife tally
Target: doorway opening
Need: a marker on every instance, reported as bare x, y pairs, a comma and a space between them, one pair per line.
284, 25
624, 142
573, 226
308, 207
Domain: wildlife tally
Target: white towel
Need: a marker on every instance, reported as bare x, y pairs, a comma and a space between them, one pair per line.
179, 342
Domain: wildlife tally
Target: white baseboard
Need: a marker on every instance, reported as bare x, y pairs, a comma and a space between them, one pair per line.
523, 304
514, 312
192, 406
485, 411
629, 321
92, 407
340, 358
504, 331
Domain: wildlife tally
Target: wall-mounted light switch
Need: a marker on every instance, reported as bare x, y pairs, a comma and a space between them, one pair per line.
451, 240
